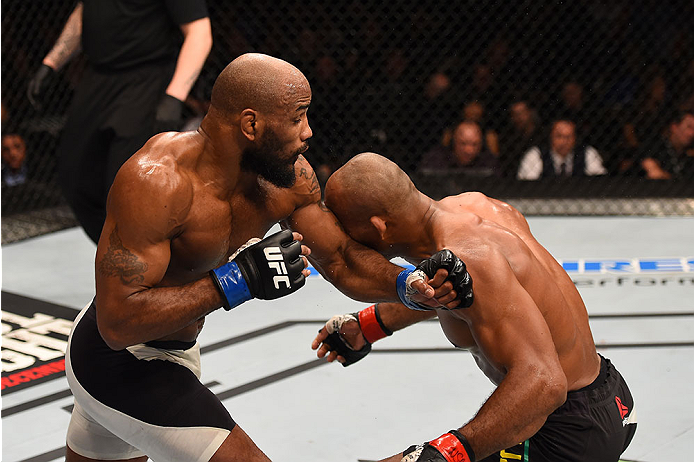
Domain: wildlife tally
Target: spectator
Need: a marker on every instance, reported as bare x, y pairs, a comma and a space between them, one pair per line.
14, 169
645, 122
672, 157
520, 134
141, 64
436, 102
465, 154
563, 156
572, 106
475, 111
484, 88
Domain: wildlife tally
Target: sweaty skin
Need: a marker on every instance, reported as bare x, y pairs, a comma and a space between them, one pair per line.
186, 201
528, 326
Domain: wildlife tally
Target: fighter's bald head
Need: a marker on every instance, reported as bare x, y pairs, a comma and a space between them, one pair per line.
368, 185
256, 81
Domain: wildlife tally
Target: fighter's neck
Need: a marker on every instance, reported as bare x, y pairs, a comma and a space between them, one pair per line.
221, 159
422, 240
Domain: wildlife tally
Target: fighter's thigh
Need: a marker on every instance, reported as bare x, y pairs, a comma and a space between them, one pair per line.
239, 447
89, 440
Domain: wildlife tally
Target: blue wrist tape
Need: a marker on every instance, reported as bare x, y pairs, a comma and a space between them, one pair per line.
401, 286
231, 283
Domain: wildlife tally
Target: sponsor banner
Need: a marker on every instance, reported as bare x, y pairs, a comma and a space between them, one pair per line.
34, 340
630, 272
626, 266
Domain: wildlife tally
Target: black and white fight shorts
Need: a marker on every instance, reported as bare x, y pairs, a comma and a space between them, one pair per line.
144, 400
595, 424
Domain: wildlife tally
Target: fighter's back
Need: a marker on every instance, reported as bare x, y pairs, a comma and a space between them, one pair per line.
494, 227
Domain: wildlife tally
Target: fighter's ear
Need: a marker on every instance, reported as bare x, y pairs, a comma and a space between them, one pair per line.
250, 124
380, 225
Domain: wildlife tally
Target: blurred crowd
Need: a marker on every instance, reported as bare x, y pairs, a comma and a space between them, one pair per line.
506, 90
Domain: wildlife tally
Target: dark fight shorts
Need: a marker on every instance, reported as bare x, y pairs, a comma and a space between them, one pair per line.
595, 424
144, 400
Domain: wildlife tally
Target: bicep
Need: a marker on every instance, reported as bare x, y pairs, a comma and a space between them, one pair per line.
322, 233
124, 265
134, 249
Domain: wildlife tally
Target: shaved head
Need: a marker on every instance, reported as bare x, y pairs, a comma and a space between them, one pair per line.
256, 81
259, 109
368, 185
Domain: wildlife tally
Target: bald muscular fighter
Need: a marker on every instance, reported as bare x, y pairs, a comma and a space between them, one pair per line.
556, 398
177, 210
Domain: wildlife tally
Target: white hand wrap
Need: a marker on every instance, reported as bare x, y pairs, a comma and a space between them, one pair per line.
416, 275
414, 455
250, 242
335, 323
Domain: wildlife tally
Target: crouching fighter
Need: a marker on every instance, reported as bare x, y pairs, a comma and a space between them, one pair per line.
556, 398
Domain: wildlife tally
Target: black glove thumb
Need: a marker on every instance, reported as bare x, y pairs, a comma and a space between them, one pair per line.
38, 85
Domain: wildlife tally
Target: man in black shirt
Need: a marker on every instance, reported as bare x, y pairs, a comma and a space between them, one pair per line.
142, 60
670, 157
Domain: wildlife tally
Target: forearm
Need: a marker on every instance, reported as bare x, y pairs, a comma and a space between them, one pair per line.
196, 46
396, 316
154, 313
363, 275
513, 413
68, 43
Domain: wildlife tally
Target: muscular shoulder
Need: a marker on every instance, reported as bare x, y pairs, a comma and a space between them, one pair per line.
488, 208
153, 183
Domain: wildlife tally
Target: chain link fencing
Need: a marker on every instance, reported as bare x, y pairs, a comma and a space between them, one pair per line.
463, 95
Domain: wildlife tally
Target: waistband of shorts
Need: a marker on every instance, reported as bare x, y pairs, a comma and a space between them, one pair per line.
602, 387
170, 344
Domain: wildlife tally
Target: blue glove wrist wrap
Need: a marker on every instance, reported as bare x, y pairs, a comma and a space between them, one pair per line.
401, 286
231, 283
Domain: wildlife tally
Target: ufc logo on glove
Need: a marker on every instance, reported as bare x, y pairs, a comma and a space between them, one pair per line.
274, 258
266, 269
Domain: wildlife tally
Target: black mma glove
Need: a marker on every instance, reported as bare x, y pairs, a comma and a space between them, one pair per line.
339, 344
457, 274
449, 447
38, 84
268, 269
168, 115
371, 326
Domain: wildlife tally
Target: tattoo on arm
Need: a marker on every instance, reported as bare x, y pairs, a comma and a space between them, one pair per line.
120, 262
312, 178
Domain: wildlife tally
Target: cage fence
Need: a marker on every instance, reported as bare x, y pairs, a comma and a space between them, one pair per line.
463, 95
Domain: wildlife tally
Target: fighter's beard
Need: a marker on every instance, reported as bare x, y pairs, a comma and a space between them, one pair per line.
265, 160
